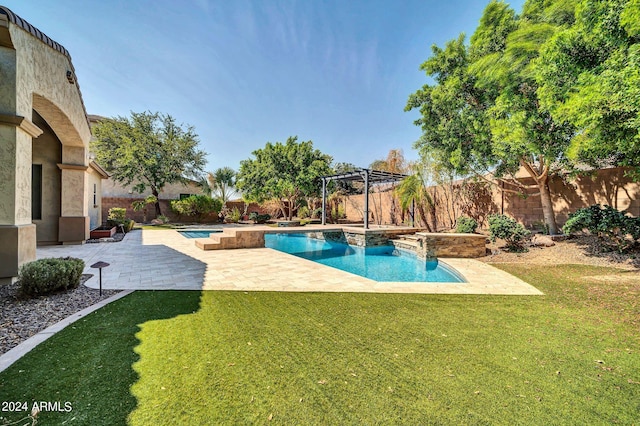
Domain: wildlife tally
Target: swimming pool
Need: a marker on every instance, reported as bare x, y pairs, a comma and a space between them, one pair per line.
199, 233
380, 263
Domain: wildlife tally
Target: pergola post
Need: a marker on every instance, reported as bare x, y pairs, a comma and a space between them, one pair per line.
368, 176
366, 199
324, 200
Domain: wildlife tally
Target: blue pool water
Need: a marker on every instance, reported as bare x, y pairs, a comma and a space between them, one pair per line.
381, 263
199, 233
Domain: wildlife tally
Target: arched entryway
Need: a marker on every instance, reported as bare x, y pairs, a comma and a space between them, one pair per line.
40, 99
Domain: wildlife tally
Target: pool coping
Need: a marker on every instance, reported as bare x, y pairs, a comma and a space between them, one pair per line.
165, 260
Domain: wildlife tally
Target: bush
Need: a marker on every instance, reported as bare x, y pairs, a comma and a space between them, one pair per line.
303, 212
263, 218
117, 216
466, 225
506, 228
196, 206
317, 213
162, 218
612, 226
129, 224
233, 216
46, 276
259, 218
338, 213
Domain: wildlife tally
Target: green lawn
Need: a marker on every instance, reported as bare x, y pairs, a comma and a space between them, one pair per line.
153, 358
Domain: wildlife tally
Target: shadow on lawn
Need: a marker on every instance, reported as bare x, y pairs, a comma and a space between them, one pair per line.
89, 365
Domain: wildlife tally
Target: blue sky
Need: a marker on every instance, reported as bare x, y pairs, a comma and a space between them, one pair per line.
337, 72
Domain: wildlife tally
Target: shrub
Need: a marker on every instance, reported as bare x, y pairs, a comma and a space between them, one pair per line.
259, 218
262, 218
233, 216
117, 216
506, 228
128, 226
46, 276
162, 218
317, 213
196, 205
338, 213
612, 226
303, 212
466, 225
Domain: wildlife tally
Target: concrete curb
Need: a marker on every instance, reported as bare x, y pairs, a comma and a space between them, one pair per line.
23, 348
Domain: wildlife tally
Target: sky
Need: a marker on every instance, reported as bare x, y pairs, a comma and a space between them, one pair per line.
244, 73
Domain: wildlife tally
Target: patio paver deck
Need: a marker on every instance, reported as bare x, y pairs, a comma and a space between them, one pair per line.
165, 260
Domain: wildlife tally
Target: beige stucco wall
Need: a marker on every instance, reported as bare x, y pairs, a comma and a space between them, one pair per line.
42, 85
36, 79
34, 76
47, 151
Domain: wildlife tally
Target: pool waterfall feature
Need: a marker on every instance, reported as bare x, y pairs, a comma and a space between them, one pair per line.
424, 244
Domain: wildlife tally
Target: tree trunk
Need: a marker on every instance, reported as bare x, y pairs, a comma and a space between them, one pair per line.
154, 191
433, 211
283, 209
423, 216
541, 177
547, 206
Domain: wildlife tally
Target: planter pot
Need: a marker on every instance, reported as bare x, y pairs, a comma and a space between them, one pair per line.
103, 232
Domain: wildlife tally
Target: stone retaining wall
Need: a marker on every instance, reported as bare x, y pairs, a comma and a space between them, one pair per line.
451, 245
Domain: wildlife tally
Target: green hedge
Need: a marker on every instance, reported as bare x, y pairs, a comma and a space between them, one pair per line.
46, 276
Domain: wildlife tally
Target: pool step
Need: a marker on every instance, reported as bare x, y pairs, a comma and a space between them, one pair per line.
232, 239
407, 242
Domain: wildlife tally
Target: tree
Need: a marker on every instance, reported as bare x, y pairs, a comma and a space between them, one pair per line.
589, 76
284, 173
222, 182
483, 116
413, 191
149, 150
394, 163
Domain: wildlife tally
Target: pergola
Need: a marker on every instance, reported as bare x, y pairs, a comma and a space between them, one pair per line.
369, 177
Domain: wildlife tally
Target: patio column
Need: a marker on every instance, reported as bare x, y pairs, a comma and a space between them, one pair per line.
73, 225
17, 233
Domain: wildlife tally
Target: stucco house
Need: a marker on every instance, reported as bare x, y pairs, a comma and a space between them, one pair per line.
49, 187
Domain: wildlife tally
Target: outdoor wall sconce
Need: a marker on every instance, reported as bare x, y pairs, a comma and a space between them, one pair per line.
70, 77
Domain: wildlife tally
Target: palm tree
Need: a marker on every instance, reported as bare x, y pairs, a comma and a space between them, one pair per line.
413, 189
222, 182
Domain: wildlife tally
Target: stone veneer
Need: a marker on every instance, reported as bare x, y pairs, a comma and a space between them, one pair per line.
450, 245
361, 237
428, 244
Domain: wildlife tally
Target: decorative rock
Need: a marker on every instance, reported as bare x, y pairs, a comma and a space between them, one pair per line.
542, 241
156, 222
23, 318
